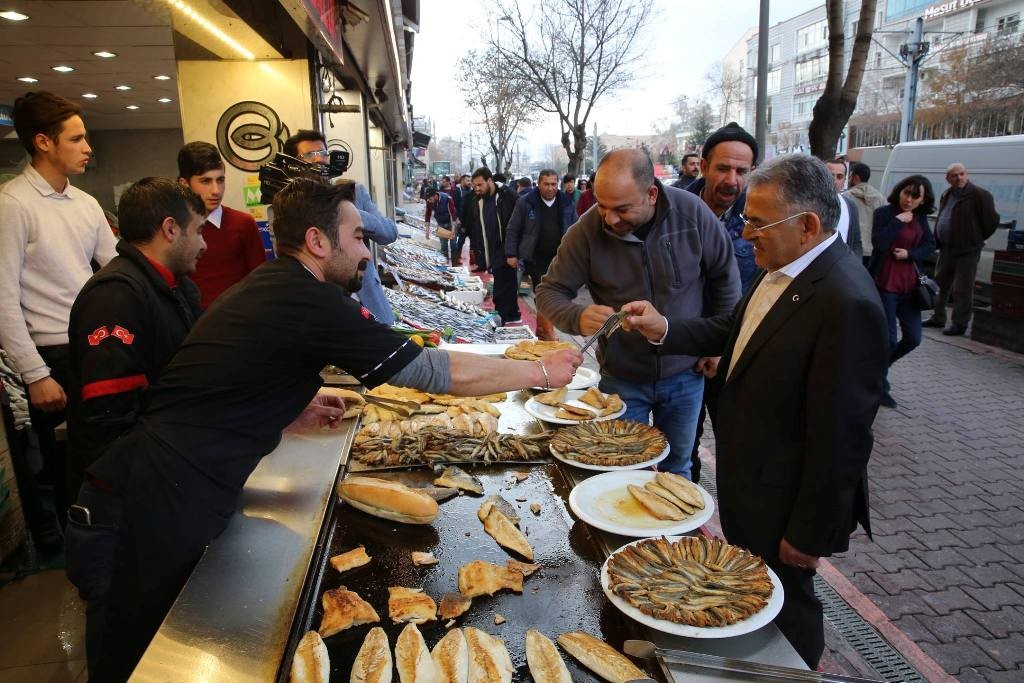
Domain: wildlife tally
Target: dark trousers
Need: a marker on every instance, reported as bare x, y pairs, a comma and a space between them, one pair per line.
955, 274
536, 269
801, 617
506, 290
903, 319
707, 408
168, 515
55, 453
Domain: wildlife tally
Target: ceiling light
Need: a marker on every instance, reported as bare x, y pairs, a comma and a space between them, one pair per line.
63, 69
105, 54
122, 87
165, 100
11, 15
133, 107
28, 79
195, 16
162, 77
90, 95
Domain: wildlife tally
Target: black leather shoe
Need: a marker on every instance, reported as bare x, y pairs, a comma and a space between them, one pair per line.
887, 401
954, 330
934, 322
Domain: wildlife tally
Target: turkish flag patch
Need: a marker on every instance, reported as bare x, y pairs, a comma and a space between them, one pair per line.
124, 335
98, 335
366, 313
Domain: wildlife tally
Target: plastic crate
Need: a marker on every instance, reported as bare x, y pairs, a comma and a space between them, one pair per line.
1007, 300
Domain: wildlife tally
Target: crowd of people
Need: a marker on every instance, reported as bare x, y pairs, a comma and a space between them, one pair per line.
178, 355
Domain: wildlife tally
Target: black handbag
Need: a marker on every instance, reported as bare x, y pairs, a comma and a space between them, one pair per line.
925, 292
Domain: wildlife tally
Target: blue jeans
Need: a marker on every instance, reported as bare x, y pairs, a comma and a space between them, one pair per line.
899, 312
675, 402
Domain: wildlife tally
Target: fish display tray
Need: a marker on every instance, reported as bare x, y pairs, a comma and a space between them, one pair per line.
563, 595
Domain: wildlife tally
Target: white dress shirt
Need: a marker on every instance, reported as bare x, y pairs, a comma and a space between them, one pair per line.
768, 291
843, 226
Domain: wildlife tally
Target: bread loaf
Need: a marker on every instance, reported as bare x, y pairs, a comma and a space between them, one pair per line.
311, 663
388, 499
600, 657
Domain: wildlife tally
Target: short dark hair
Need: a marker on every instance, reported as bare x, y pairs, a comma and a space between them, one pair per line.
41, 112
431, 192
861, 170
482, 172
917, 182
145, 205
687, 156
546, 172
524, 182
567, 177
291, 145
306, 202
196, 158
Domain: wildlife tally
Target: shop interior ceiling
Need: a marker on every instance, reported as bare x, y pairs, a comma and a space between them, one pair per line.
143, 35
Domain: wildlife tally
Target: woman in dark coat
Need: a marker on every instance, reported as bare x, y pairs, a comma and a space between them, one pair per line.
901, 240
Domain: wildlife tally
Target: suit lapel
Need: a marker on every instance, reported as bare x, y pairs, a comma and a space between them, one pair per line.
795, 296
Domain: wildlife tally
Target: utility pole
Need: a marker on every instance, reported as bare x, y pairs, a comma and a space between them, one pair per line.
912, 54
761, 115
593, 152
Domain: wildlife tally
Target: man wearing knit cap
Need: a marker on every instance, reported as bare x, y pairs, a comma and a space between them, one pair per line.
727, 158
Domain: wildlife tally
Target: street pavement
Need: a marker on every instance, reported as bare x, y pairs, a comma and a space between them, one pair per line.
947, 501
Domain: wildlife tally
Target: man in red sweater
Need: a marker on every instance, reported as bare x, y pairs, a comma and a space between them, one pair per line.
233, 243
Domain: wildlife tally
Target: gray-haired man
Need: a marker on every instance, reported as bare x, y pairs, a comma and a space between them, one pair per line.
803, 355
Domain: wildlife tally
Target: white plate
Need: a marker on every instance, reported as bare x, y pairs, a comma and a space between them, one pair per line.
583, 379
547, 413
605, 502
748, 625
609, 468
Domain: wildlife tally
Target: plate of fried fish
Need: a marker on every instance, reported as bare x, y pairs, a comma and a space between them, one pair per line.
692, 586
641, 503
609, 445
566, 406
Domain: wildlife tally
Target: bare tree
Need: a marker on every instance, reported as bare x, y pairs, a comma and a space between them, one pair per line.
574, 52
726, 82
836, 104
504, 103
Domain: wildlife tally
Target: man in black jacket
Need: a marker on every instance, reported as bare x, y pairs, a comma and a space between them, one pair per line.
967, 217
127, 322
487, 215
803, 360
534, 232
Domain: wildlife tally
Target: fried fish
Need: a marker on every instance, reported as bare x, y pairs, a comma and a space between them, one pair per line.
483, 578
410, 605
344, 609
458, 478
373, 663
356, 557
505, 532
655, 504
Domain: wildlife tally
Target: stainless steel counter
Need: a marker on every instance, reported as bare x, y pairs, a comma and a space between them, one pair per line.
232, 620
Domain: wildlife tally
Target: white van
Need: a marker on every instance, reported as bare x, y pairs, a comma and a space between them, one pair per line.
996, 164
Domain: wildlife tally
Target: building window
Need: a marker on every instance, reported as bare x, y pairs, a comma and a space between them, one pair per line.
803, 107
878, 59
1008, 25
812, 69
812, 37
774, 53
768, 115
774, 81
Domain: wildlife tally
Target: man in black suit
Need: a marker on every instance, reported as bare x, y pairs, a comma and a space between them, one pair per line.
803, 359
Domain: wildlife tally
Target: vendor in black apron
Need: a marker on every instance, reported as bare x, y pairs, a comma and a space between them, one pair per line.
249, 368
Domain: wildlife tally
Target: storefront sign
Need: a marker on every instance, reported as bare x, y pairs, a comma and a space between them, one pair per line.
6, 115
951, 7
249, 134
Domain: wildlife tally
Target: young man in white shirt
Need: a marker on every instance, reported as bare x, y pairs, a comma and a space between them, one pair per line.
50, 234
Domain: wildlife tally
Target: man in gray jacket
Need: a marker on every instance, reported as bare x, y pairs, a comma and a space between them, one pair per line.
644, 239
866, 198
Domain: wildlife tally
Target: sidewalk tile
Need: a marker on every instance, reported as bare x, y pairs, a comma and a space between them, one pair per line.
945, 601
958, 655
913, 628
947, 557
1001, 622
997, 596
949, 627
946, 577
1009, 651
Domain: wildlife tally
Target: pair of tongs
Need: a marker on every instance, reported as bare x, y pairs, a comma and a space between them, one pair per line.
403, 408
611, 325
